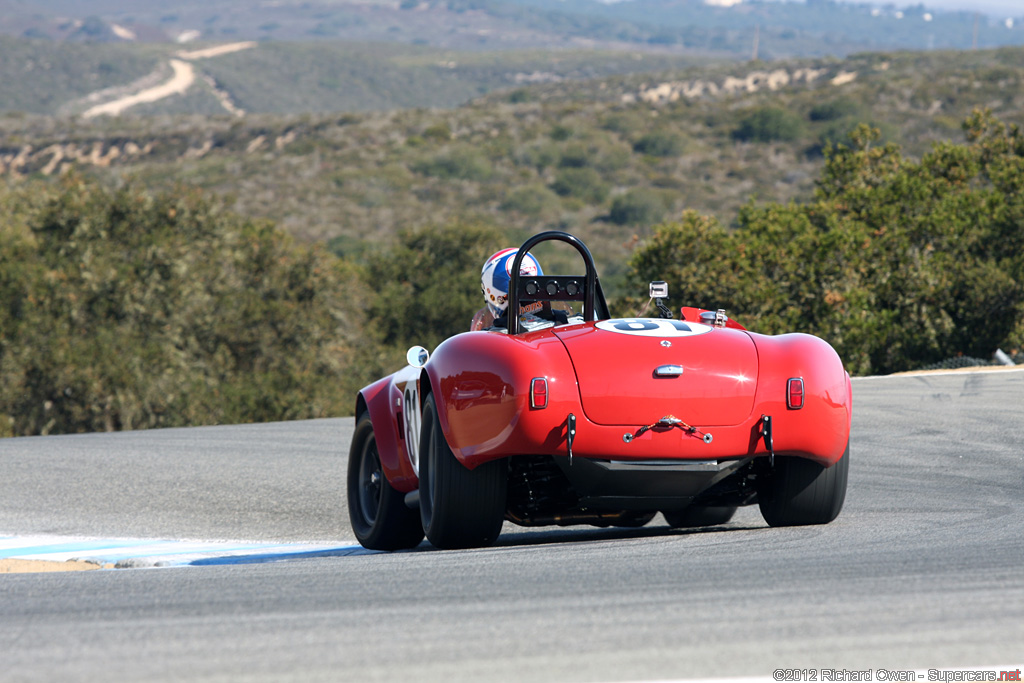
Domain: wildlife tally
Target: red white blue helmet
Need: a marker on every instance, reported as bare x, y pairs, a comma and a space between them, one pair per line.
496, 274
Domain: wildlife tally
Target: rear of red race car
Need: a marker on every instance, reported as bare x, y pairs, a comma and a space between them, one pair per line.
604, 422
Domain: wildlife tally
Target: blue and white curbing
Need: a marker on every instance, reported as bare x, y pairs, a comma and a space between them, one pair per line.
124, 553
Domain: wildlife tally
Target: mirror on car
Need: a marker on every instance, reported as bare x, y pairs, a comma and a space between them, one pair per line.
417, 356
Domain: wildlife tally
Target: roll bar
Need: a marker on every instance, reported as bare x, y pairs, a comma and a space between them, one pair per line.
555, 287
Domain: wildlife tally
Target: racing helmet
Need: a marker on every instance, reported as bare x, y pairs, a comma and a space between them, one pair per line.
497, 273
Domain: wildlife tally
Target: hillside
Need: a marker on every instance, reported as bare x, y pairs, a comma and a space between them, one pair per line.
777, 29
605, 158
125, 308
142, 287
66, 78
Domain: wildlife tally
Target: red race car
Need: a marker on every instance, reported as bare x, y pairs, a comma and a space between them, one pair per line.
594, 420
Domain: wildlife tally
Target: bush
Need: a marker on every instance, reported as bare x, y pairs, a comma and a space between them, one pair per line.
519, 96
531, 200
581, 183
438, 131
842, 131
123, 310
460, 163
538, 156
623, 122
839, 108
768, 124
639, 206
575, 156
836, 132
560, 133
428, 286
897, 263
660, 144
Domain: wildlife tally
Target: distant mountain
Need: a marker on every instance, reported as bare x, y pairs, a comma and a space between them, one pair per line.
751, 28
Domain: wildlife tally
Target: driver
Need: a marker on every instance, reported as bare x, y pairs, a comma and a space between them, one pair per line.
494, 283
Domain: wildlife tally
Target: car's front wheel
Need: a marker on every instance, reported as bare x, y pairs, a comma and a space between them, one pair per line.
380, 518
800, 491
459, 507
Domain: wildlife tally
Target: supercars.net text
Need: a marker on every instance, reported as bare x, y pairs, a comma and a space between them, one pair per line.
931, 675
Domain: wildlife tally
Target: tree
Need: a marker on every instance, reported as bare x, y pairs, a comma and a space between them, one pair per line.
124, 310
427, 287
898, 263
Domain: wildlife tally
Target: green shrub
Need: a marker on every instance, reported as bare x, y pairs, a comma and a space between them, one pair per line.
837, 132
897, 263
519, 96
531, 200
575, 156
428, 286
538, 156
623, 122
123, 310
561, 133
585, 184
639, 206
660, 144
613, 158
460, 163
839, 108
768, 124
438, 131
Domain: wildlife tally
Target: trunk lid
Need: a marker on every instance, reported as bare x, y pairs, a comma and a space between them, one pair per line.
634, 371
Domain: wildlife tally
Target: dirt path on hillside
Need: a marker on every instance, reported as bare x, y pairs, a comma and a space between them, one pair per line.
217, 51
183, 78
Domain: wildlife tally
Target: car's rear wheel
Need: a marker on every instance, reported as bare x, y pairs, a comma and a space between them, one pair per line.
380, 518
800, 491
459, 507
698, 515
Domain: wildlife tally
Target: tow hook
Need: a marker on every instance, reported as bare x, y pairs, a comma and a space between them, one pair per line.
766, 432
570, 433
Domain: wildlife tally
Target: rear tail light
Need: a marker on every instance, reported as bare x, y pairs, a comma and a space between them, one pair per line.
795, 393
539, 392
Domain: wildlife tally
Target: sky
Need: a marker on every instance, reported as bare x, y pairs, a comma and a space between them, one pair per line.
998, 8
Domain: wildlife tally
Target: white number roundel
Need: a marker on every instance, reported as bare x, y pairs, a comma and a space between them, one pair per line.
653, 327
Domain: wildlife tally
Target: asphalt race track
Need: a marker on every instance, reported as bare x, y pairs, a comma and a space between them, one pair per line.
923, 569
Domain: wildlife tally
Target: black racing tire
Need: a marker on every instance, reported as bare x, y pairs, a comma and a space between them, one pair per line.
459, 507
380, 518
801, 492
699, 515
